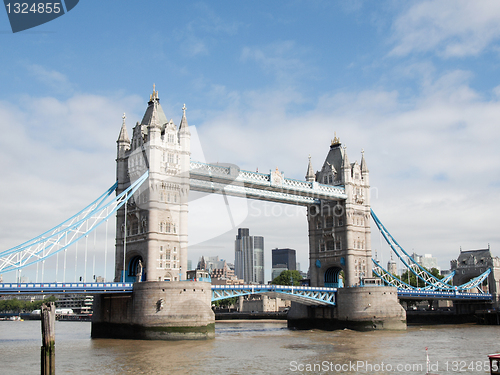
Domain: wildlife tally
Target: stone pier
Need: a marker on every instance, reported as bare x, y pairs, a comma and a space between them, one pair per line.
156, 311
360, 308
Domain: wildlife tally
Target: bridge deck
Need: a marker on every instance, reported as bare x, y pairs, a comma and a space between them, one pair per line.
65, 288
301, 294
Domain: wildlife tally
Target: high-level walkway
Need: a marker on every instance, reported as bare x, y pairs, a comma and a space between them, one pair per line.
230, 180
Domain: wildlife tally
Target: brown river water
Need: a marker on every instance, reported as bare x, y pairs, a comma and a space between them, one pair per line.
256, 348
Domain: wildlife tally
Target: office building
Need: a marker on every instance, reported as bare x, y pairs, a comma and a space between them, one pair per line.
249, 257
283, 260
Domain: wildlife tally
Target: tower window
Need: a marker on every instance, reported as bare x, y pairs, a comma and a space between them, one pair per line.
329, 221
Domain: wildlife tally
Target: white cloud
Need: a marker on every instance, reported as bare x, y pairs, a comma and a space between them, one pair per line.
451, 29
52, 78
284, 59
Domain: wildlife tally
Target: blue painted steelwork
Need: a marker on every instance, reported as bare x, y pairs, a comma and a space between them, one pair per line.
429, 280
65, 288
433, 294
68, 232
303, 294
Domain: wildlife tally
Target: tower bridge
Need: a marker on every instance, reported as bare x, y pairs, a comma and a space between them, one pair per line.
155, 174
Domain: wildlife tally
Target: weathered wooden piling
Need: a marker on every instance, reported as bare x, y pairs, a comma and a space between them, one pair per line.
48, 351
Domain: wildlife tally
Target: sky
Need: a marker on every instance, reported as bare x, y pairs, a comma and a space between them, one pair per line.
416, 85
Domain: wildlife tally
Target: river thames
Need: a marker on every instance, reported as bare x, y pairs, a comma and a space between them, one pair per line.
257, 347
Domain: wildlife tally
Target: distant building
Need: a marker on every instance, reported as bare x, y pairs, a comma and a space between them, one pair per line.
284, 257
392, 267
221, 272
427, 261
264, 304
80, 304
234, 281
249, 257
283, 260
472, 263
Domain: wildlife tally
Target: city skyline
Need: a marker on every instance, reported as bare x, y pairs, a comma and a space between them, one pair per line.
416, 85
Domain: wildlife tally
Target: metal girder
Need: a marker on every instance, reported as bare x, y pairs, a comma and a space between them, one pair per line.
430, 282
433, 294
70, 231
302, 294
65, 288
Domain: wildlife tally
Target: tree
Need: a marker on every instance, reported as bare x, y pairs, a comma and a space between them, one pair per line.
226, 302
14, 305
286, 277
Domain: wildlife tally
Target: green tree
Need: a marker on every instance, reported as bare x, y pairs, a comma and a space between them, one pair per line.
226, 302
14, 305
287, 277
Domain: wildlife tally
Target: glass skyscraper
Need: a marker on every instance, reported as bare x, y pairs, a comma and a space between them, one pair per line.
249, 257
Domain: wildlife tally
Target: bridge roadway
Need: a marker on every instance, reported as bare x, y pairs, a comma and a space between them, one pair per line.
302, 294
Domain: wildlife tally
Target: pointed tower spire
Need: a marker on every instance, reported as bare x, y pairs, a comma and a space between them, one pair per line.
310, 173
364, 168
345, 161
184, 127
154, 117
123, 137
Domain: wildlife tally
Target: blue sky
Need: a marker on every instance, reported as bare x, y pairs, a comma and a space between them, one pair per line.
414, 84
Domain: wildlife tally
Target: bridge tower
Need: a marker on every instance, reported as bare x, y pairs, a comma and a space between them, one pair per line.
339, 231
157, 218
339, 240
472, 263
151, 239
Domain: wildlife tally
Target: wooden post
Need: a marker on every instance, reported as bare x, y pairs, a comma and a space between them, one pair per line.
48, 351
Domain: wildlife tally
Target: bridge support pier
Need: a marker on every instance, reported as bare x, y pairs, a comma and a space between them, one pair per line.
156, 311
361, 308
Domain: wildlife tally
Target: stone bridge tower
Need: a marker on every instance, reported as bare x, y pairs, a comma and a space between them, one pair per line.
472, 263
339, 231
156, 225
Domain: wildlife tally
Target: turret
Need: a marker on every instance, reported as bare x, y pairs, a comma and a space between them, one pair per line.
310, 176
123, 141
185, 141
364, 169
346, 166
123, 146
